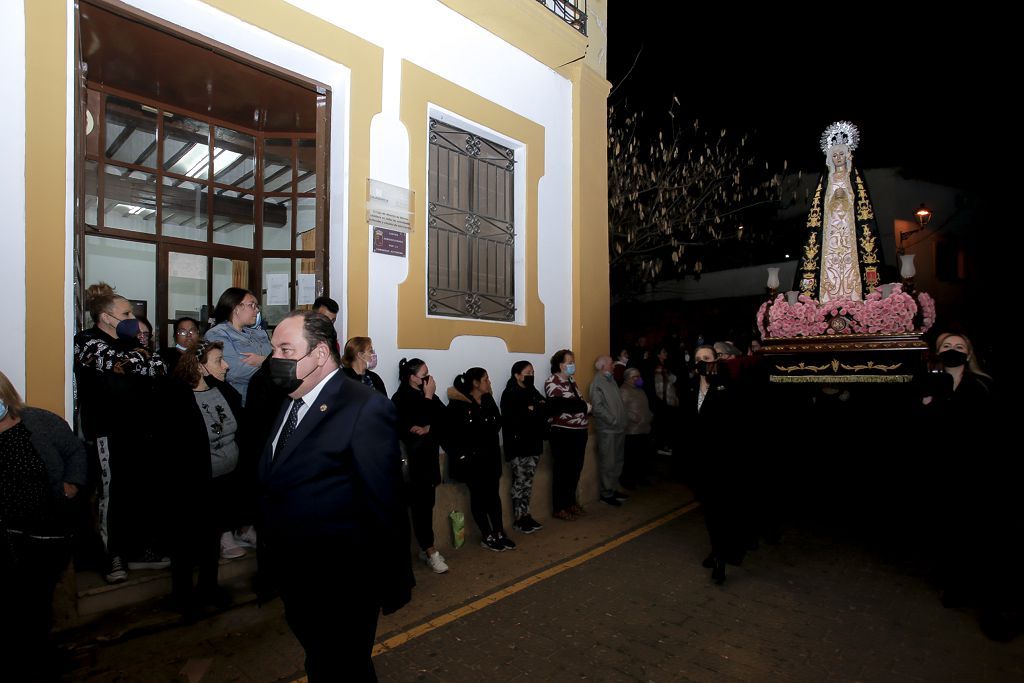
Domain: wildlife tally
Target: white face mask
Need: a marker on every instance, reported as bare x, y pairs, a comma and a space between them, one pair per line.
3, 409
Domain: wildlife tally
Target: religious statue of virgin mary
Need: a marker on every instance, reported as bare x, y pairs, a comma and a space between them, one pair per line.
840, 258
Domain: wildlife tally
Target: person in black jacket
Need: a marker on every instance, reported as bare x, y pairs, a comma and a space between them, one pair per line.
334, 531
707, 405
204, 422
358, 362
524, 418
474, 453
116, 379
421, 416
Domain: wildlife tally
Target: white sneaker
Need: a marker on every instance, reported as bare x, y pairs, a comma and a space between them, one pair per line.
248, 539
230, 550
437, 563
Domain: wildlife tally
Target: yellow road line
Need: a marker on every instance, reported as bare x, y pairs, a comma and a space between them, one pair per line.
488, 600
477, 605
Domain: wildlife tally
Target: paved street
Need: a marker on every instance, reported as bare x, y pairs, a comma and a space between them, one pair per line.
817, 607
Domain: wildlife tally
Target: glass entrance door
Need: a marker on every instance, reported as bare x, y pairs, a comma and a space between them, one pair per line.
192, 281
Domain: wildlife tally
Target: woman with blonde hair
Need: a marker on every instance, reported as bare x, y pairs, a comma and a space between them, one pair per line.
358, 362
115, 378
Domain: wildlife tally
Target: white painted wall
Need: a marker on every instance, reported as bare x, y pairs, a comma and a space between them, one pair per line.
467, 55
12, 195
444, 42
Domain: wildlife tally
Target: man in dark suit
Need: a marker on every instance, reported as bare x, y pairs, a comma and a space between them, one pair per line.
334, 525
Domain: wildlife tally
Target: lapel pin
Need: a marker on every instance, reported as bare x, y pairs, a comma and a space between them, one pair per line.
323, 407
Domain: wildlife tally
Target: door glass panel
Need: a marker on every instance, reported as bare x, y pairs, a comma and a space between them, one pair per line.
277, 289
305, 224
91, 201
277, 222
187, 147
234, 220
184, 209
129, 267
186, 284
306, 167
277, 165
131, 133
229, 273
234, 158
129, 199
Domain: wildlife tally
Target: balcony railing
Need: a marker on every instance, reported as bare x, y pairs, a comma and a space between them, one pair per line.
572, 12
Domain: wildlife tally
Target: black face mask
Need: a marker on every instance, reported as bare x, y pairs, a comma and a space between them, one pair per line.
704, 367
952, 358
528, 381
283, 373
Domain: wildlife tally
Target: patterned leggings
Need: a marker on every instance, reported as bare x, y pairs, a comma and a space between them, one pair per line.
523, 469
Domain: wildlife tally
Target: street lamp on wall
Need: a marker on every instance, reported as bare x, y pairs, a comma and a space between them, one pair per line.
923, 215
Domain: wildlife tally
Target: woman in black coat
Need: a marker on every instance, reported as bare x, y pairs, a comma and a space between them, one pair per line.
204, 423
421, 416
523, 422
716, 478
474, 453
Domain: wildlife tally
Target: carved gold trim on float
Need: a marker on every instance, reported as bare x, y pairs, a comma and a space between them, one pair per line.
841, 379
804, 366
871, 366
836, 365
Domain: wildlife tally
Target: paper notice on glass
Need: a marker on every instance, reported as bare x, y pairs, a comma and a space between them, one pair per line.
277, 289
190, 266
307, 289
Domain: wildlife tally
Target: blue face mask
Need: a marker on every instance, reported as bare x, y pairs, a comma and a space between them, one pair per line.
3, 409
570, 369
128, 329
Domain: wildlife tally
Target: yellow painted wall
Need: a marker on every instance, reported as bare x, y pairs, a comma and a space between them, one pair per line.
46, 101
591, 296
415, 329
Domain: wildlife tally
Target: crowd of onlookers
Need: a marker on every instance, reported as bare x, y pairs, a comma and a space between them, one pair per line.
164, 463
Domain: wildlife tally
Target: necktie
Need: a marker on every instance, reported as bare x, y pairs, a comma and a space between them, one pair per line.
289, 425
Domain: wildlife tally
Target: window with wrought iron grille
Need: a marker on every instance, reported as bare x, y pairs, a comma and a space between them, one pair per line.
470, 226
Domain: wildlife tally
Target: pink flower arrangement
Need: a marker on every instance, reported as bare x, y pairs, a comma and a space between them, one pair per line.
802, 319
891, 315
874, 315
927, 304
760, 319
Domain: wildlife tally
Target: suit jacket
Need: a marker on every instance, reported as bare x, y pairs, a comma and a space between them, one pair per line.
337, 485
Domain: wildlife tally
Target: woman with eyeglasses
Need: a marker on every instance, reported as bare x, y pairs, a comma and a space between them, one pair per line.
203, 421
358, 362
237, 327
186, 336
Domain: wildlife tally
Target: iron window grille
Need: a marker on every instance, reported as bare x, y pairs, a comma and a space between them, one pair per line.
470, 226
572, 12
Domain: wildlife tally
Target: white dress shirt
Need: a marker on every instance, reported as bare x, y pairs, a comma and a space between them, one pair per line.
308, 400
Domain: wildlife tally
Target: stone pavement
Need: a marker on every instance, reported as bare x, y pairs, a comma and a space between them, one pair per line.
820, 606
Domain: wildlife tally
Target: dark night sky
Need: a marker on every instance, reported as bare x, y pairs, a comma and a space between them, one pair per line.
915, 93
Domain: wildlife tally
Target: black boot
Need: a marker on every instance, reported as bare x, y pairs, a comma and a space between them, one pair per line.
718, 573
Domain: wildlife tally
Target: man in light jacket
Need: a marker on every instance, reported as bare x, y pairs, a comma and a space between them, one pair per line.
609, 416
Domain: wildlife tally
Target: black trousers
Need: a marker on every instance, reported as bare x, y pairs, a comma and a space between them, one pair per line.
568, 448
485, 503
211, 511
29, 571
638, 454
330, 609
421, 504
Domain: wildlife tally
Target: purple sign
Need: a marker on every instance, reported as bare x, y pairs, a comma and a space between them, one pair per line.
391, 242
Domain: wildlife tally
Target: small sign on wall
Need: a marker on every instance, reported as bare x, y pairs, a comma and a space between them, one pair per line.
390, 242
389, 206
